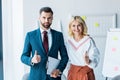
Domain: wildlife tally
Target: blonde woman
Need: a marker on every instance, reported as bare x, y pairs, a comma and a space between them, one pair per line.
82, 51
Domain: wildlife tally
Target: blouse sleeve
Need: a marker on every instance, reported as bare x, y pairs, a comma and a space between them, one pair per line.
94, 54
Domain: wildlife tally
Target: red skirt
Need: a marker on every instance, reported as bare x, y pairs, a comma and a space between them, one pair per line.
80, 73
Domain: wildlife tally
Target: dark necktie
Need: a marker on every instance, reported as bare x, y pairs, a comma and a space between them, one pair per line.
45, 41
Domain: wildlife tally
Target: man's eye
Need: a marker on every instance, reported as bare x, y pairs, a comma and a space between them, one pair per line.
43, 17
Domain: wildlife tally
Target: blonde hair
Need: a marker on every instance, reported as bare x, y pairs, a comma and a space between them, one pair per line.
81, 21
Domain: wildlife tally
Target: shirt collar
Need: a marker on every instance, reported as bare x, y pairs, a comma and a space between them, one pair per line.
48, 31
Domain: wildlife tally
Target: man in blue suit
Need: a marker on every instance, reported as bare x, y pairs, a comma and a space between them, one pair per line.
35, 54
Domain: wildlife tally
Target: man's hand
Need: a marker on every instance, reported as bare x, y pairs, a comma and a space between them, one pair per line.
36, 58
55, 73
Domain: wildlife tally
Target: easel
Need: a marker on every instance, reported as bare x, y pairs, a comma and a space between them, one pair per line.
113, 37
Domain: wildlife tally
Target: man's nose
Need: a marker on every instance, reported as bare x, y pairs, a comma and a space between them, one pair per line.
46, 20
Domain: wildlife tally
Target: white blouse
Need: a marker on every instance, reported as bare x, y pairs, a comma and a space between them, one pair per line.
77, 50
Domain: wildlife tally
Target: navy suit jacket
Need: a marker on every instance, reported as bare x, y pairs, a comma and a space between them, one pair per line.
33, 42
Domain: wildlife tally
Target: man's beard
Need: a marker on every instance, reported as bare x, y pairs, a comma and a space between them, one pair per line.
46, 26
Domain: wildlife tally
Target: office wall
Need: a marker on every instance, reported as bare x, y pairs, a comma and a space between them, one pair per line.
12, 37
64, 8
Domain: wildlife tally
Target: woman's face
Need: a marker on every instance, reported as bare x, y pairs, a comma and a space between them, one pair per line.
76, 28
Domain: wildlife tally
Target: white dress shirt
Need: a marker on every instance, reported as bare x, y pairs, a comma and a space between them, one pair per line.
49, 36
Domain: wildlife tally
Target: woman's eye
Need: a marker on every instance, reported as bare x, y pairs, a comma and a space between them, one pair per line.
73, 25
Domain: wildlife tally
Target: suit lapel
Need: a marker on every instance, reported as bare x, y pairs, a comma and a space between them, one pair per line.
39, 40
53, 40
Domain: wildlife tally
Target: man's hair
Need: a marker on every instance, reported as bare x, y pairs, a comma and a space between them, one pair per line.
46, 9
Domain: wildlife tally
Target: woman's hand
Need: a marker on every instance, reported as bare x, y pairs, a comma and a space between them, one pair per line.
86, 57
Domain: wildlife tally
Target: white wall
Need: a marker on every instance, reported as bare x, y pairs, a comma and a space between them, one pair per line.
20, 16
63, 8
12, 28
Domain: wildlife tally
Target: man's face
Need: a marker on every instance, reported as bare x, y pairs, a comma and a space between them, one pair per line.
46, 19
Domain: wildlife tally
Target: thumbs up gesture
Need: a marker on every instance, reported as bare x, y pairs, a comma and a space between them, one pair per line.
36, 58
86, 57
